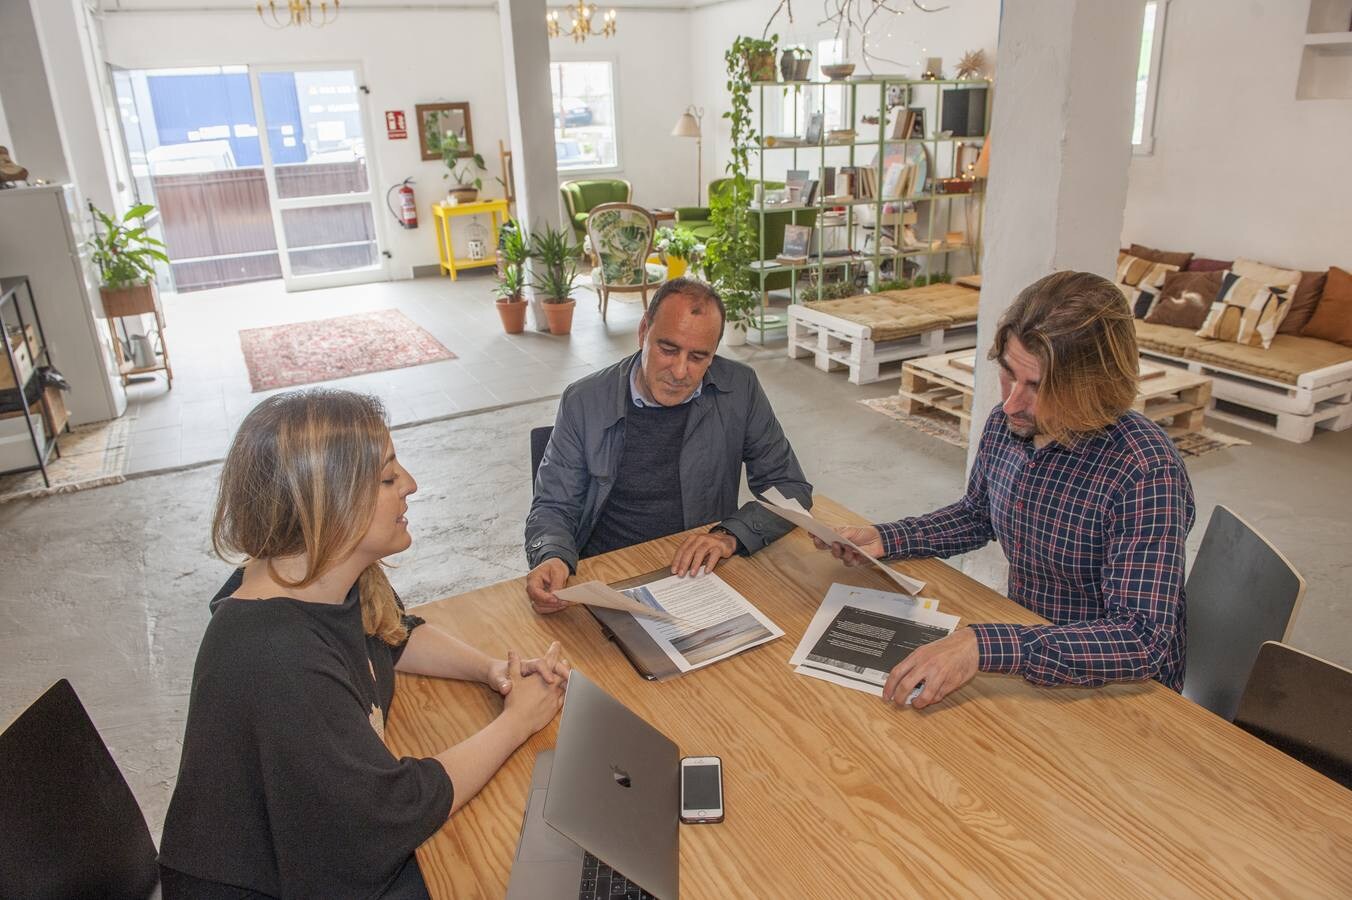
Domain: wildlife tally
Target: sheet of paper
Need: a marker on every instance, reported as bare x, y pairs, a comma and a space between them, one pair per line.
596, 593
853, 683
827, 535
856, 639
713, 621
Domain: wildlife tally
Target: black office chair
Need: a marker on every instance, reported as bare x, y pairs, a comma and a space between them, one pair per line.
539, 440
1241, 592
1302, 705
69, 825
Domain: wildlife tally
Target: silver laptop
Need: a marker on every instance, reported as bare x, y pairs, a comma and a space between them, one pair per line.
604, 806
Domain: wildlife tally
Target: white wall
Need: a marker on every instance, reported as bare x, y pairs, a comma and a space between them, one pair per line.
964, 25
1240, 167
410, 56
653, 85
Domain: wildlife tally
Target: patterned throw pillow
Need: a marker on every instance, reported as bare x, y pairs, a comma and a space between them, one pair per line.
1246, 311
1186, 298
1140, 280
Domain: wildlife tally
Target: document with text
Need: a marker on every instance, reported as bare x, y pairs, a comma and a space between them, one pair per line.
712, 621
792, 511
858, 635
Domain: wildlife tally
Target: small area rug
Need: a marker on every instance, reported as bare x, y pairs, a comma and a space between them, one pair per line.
945, 428
91, 455
325, 349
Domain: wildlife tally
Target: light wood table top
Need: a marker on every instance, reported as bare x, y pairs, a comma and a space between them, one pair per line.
1004, 789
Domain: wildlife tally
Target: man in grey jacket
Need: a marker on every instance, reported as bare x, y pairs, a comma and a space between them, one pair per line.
654, 445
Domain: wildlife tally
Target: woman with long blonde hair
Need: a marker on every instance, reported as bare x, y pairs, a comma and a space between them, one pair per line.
286, 788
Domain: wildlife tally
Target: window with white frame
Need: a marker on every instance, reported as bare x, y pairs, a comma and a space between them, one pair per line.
584, 115
1147, 76
797, 104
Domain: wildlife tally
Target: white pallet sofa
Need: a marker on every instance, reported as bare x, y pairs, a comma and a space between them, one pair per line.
866, 332
1297, 385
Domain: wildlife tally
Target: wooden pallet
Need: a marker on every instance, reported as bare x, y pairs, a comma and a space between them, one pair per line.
1176, 399
837, 343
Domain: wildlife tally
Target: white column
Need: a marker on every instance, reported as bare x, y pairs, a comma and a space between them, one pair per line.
1061, 145
530, 119
29, 111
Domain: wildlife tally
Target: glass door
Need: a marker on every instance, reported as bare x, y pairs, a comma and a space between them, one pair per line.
319, 182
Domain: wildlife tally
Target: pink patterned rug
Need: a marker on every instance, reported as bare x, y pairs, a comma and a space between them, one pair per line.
325, 349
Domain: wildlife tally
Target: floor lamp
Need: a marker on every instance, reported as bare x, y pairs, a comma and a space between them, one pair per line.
688, 126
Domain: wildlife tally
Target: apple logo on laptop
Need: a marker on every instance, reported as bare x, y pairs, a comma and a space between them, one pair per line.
620, 775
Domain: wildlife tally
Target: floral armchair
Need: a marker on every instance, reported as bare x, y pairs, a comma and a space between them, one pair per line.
621, 237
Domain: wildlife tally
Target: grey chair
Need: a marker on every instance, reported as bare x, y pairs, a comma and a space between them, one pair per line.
69, 825
1302, 705
539, 440
1241, 592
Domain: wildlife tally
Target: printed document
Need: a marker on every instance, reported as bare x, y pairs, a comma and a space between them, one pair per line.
713, 620
792, 511
859, 635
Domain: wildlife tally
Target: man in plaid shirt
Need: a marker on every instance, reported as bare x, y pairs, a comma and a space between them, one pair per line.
1089, 500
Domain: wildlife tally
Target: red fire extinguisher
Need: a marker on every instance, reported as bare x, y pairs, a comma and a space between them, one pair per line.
407, 213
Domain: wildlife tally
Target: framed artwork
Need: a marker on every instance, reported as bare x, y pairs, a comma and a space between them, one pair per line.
449, 117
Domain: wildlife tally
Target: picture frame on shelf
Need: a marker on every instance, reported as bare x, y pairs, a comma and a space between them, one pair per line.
813, 134
797, 239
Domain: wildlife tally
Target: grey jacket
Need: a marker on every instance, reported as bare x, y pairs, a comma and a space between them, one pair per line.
730, 423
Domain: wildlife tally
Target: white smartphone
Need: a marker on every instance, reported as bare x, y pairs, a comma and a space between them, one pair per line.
701, 790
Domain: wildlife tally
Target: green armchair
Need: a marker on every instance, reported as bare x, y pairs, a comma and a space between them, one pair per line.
697, 220
581, 197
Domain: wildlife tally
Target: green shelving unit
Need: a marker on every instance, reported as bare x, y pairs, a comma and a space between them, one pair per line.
932, 207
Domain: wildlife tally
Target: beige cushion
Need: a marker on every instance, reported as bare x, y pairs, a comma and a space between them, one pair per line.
1166, 338
889, 318
1286, 280
1289, 356
958, 303
1246, 311
1140, 281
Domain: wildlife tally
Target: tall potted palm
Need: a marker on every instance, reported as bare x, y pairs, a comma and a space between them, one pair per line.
557, 258
513, 252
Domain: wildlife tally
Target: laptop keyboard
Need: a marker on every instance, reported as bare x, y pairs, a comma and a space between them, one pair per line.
601, 882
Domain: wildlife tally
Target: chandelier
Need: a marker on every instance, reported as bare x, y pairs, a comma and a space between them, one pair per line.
297, 12
581, 27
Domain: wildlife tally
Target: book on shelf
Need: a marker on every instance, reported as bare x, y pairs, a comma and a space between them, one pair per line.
797, 239
909, 124
810, 192
828, 181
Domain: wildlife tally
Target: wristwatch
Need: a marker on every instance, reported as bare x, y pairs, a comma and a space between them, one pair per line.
719, 529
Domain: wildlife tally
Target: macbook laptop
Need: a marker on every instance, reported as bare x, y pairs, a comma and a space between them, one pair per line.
603, 813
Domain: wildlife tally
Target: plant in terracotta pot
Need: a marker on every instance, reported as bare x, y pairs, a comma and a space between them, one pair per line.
556, 255
679, 248
513, 252
126, 255
462, 163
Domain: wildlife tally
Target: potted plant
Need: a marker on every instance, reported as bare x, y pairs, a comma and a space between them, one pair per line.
759, 56
461, 161
513, 252
557, 257
126, 255
736, 244
679, 248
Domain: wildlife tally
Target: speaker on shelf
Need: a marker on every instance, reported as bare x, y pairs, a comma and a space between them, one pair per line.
965, 111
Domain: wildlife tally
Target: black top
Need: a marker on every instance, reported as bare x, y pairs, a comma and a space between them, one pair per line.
645, 501
286, 787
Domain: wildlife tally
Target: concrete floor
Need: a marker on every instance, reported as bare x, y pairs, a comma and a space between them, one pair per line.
108, 587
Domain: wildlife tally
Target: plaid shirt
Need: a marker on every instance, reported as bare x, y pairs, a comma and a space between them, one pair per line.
1094, 534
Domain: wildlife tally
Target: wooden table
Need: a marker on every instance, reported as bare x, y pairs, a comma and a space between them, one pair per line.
1174, 398
1004, 789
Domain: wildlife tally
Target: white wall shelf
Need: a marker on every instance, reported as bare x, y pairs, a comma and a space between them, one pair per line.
1326, 60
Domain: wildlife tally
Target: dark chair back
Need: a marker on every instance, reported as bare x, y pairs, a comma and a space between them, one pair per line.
1241, 592
539, 440
69, 825
1302, 705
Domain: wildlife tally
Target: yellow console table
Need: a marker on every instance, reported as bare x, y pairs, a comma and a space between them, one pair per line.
442, 215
